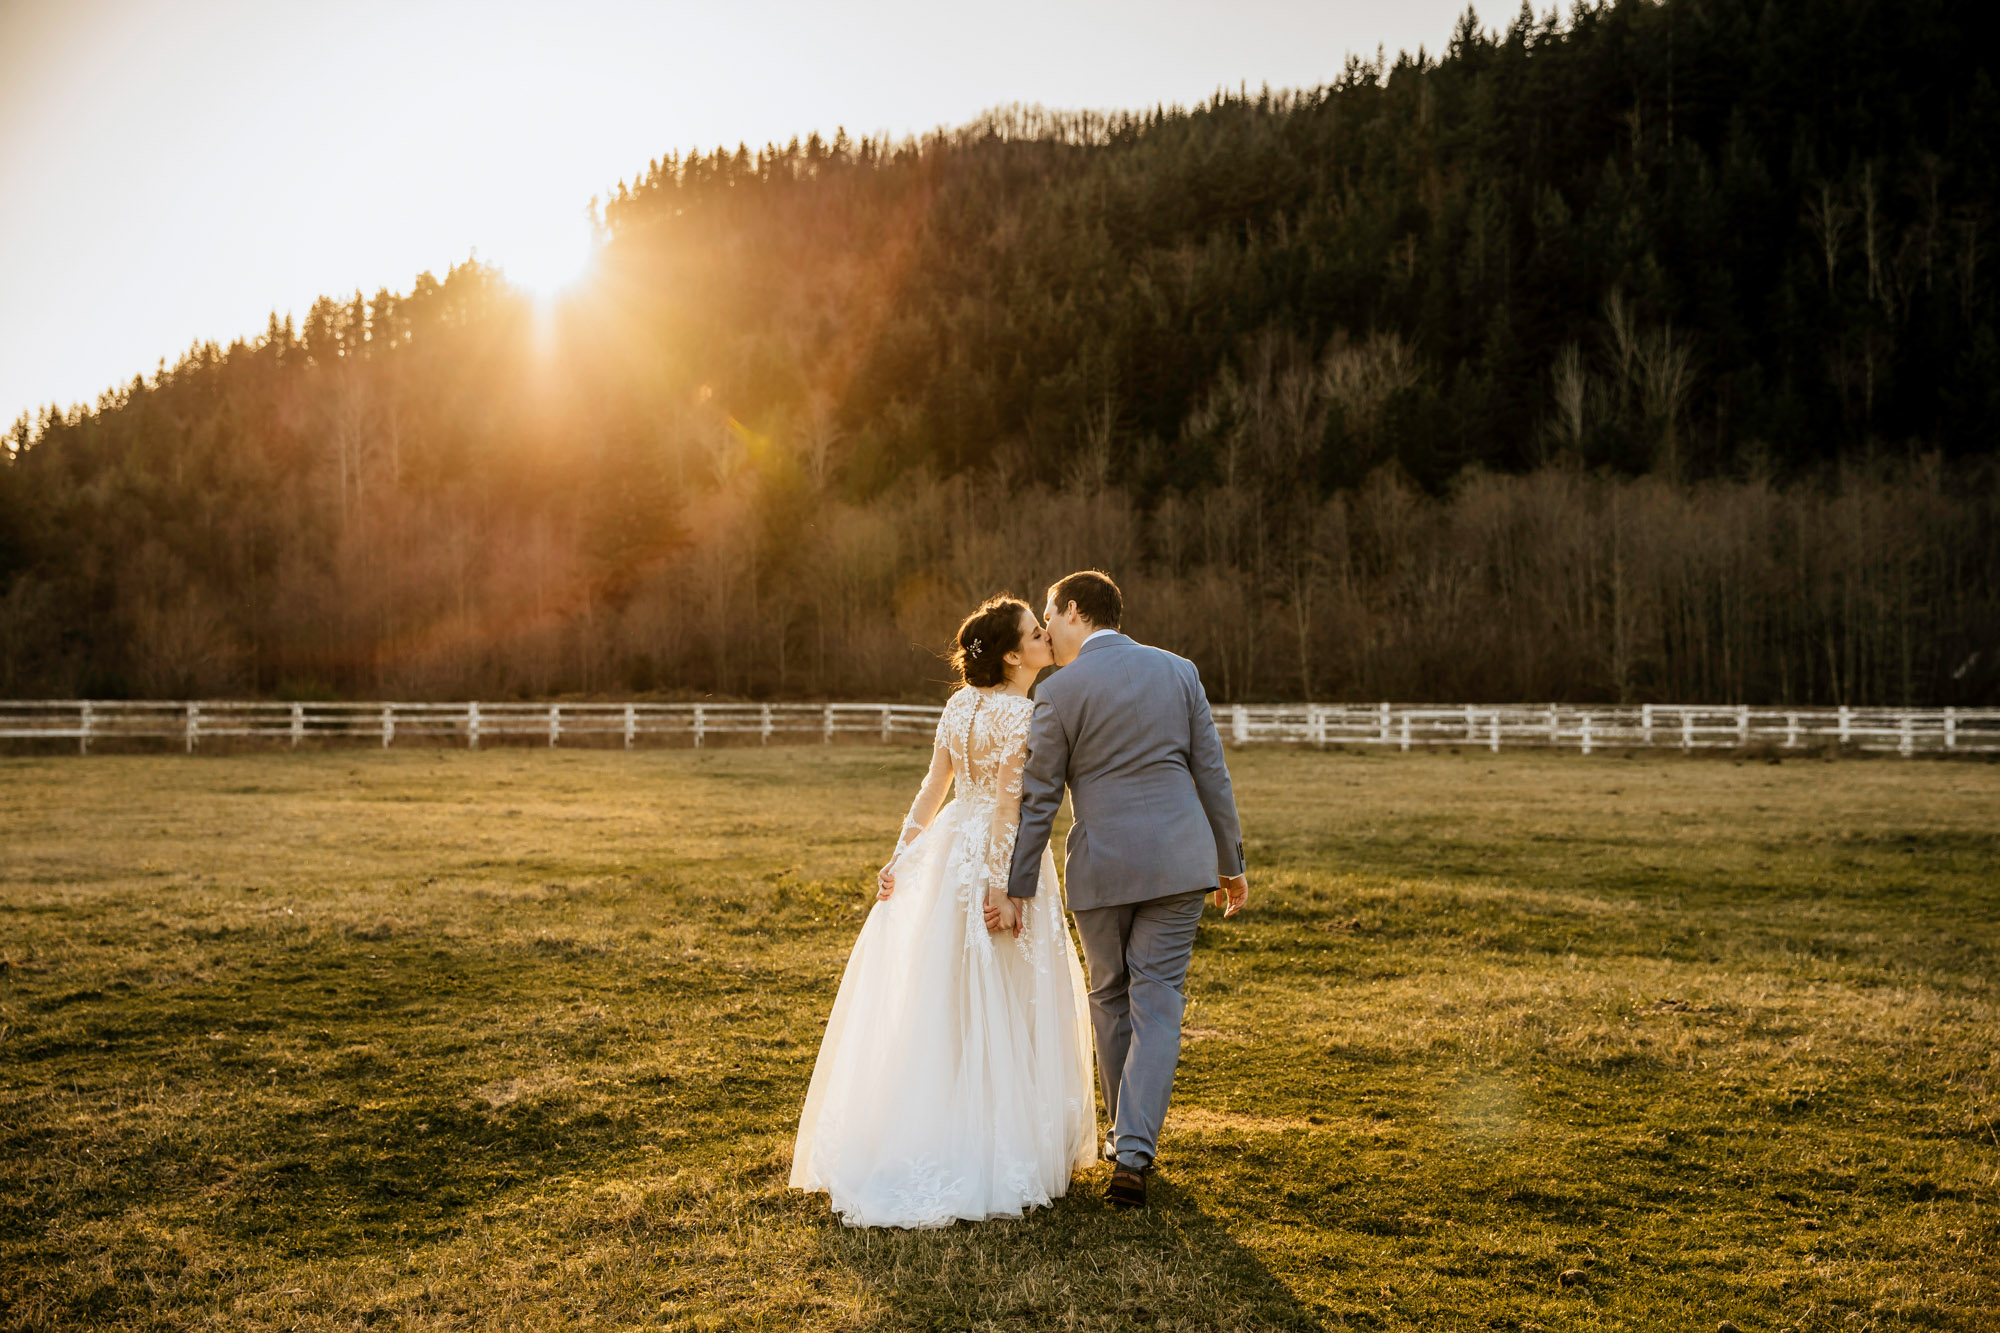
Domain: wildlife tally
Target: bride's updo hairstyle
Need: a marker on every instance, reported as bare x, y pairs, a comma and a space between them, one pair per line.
985, 639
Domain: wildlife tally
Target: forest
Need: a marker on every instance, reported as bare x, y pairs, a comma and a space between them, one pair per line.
1643, 353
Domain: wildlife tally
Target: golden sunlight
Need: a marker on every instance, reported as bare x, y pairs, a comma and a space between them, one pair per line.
551, 261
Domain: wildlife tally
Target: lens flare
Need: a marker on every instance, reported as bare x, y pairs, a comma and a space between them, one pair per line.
552, 262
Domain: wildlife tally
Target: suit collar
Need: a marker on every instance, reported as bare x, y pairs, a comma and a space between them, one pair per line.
1102, 641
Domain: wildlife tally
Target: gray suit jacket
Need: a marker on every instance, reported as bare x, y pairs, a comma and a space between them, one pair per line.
1127, 728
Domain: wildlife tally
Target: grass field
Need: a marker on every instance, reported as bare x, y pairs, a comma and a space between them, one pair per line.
517, 1038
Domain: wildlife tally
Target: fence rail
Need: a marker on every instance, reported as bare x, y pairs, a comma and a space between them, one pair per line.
1905, 731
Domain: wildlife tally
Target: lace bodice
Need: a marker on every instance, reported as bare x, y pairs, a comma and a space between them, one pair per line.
981, 742
986, 735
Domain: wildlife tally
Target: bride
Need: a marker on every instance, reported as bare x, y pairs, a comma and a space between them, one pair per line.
954, 1077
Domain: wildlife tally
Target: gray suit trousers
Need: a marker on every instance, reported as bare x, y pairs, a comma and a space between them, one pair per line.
1138, 955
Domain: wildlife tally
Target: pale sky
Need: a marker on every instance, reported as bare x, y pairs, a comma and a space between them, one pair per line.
174, 170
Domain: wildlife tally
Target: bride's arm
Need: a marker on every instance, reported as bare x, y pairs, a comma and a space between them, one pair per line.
1002, 912
930, 799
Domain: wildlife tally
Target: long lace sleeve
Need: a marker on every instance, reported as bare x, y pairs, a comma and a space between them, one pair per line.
930, 796
1044, 774
1012, 755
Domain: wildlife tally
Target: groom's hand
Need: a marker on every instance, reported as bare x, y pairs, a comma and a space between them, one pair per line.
1233, 894
1006, 914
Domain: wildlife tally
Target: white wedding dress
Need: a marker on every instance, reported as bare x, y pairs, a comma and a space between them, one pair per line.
954, 1077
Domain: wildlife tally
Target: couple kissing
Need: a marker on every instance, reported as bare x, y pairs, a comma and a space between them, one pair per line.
953, 1080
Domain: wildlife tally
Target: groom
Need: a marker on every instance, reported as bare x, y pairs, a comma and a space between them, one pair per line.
1127, 728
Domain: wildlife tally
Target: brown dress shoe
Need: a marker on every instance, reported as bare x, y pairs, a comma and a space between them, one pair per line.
1127, 1188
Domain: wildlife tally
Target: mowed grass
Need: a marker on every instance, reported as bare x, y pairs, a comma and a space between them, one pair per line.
517, 1039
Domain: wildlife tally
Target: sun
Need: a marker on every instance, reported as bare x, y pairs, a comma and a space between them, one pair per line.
551, 261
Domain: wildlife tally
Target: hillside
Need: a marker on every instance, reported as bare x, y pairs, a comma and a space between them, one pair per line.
1645, 354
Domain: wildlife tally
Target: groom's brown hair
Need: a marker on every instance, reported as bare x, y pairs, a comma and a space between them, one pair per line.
1097, 598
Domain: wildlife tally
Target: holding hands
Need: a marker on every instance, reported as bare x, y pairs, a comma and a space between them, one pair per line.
1004, 913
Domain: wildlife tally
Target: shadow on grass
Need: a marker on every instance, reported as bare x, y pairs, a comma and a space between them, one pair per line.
408, 1173
1080, 1263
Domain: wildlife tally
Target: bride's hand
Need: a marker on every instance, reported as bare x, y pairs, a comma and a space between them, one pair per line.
1003, 913
885, 880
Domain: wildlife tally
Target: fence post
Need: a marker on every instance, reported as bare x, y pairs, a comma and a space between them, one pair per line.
1908, 745
472, 725
1319, 725
83, 731
826, 726
700, 724
388, 724
1239, 724
1385, 724
885, 722
1406, 733
193, 724
1687, 730
555, 723
631, 724
298, 724
1846, 723
1586, 733
1494, 735
1646, 721
1791, 730
1471, 727
1950, 728
764, 731
1554, 733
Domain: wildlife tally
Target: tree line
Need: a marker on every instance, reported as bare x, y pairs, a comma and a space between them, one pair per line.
1643, 354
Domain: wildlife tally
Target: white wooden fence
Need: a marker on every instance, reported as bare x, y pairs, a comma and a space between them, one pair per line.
469, 724
1905, 731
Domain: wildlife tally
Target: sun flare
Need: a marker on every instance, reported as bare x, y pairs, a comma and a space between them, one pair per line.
548, 265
